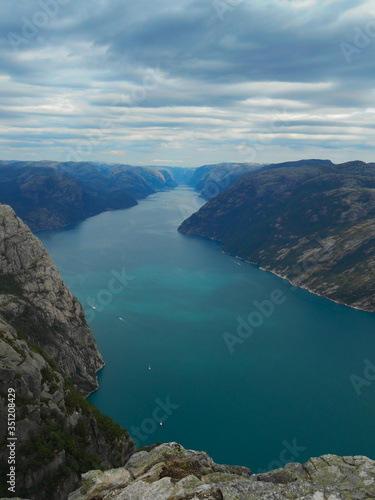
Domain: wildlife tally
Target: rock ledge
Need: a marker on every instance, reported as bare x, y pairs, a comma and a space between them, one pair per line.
169, 472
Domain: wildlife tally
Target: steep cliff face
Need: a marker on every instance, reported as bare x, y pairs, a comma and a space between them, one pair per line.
313, 224
59, 435
169, 472
38, 302
157, 179
45, 344
181, 175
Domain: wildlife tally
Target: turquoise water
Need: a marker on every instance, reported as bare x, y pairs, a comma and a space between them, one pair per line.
164, 300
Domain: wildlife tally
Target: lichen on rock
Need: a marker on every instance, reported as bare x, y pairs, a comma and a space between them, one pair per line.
170, 472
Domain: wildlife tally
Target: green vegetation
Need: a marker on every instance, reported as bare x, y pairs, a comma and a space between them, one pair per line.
34, 329
13, 344
40, 351
151, 447
110, 430
64, 450
54, 437
48, 375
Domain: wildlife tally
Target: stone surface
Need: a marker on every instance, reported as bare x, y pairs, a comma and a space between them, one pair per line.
44, 338
42, 401
51, 316
169, 472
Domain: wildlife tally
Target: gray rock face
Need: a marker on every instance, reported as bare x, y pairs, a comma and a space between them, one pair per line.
169, 472
44, 340
51, 317
48, 414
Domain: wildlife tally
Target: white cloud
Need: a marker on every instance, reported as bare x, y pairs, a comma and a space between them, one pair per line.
217, 83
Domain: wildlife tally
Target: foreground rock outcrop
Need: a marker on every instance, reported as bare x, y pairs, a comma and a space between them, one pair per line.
59, 434
169, 472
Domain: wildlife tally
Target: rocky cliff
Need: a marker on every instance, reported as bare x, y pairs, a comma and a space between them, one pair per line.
59, 435
34, 298
44, 344
313, 224
181, 175
169, 472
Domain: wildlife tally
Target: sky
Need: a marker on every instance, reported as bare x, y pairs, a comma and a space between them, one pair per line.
185, 82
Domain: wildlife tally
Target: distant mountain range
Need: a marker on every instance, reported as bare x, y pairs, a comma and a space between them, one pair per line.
49, 195
311, 222
210, 180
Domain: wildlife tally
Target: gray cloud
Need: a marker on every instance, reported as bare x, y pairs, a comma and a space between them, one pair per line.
220, 82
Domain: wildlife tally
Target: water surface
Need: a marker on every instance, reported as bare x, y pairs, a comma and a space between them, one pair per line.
287, 384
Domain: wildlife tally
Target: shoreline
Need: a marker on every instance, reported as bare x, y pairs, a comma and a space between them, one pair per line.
301, 287
275, 273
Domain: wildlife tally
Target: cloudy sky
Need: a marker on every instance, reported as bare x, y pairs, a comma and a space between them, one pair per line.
187, 82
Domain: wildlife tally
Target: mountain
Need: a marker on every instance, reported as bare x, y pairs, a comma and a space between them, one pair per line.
129, 181
181, 175
49, 195
59, 434
300, 163
210, 180
312, 224
170, 181
48, 362
42, 305
169, 472
157, 179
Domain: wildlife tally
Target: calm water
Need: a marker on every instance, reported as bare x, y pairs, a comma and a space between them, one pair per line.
288, 383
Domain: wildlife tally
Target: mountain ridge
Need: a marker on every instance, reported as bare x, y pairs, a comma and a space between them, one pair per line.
50, 195
42, 303
313, 225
